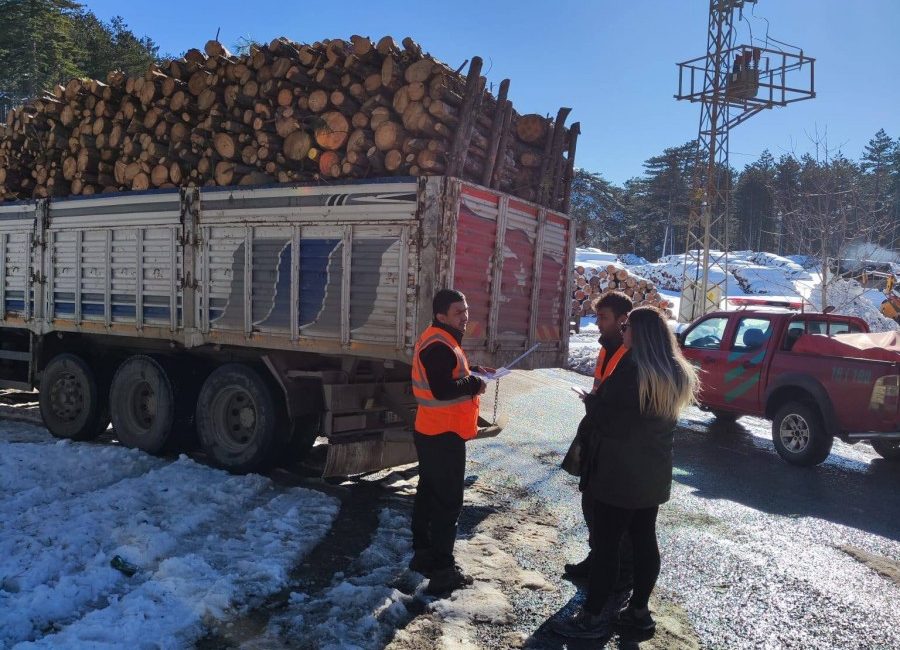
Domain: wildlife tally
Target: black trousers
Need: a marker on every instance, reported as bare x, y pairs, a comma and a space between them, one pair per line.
439, 496
625, 578
609, 526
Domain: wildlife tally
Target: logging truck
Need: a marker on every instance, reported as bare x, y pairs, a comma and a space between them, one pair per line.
265, 317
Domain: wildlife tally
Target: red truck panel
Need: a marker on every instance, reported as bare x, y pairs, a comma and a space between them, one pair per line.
531, 291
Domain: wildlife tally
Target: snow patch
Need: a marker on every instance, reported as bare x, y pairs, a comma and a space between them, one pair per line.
364, 605
205, 543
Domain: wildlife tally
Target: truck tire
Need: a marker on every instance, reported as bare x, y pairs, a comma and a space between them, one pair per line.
887, 449
799, 435
142, 404
237, 419
70, 401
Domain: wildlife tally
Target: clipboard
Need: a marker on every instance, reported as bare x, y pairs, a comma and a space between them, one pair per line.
505, 370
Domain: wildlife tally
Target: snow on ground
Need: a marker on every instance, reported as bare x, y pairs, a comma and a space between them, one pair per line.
205, 544
754, 273
594, 258
364, 605
207, 547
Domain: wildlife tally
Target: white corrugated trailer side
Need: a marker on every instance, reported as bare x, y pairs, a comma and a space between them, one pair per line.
310, 297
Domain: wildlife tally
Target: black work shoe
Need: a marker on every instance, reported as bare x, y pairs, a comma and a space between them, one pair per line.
422, 562
579, 571
619, 600
446, 580
629, 619
583, 625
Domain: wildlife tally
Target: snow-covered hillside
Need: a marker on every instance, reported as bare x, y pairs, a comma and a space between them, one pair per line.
754, 273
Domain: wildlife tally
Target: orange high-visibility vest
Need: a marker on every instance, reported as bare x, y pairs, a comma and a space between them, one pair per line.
602, 373
435, 416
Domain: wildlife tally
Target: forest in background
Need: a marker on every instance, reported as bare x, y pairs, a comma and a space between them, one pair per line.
817, 204
45, 42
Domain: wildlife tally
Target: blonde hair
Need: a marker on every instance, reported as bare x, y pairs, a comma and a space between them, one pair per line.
667, 381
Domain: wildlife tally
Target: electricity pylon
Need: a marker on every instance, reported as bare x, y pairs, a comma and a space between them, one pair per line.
731, 83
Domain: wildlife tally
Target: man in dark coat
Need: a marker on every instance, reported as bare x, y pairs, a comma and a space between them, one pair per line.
612, 310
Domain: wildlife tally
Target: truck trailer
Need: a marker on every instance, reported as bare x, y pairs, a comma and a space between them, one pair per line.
265, 317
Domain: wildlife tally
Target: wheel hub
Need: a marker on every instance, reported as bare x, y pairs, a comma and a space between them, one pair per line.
143, 404
234, 418
794, 433
67, 397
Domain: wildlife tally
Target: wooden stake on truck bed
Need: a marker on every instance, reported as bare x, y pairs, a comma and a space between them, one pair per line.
474, 88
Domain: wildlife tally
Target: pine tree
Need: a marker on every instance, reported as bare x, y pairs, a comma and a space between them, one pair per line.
37, 47
45, 42
877, 188
597, 211
664, 198
756, 225
109, 46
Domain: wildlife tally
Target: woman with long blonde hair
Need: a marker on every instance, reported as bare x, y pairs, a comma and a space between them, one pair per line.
629, 429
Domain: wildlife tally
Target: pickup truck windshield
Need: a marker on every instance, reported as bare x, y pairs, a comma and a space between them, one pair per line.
707, 334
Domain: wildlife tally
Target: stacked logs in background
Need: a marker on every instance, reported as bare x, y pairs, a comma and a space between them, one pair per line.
592, 283
284, 112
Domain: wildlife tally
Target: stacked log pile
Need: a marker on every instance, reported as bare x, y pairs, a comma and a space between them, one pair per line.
284, 112
591, 283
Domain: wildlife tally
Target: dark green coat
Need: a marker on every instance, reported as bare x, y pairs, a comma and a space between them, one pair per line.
627, 456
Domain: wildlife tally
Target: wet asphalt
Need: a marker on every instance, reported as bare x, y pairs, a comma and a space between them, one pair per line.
757, 553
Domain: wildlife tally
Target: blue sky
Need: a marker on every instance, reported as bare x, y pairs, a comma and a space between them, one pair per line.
612, 61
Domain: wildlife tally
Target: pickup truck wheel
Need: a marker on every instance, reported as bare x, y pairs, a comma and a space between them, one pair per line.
237, 418
142, 404
888, 449
69, 399
799, 436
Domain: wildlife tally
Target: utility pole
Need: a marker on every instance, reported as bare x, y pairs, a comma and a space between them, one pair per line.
731, 83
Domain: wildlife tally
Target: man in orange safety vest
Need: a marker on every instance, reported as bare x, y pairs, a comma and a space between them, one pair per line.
447, 395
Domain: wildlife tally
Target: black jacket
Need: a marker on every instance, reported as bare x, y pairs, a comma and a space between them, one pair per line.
627, 456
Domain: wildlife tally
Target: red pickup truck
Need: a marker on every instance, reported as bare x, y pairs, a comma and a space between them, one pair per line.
751, 364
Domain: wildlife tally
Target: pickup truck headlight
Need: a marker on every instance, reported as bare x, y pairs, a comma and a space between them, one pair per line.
885, 393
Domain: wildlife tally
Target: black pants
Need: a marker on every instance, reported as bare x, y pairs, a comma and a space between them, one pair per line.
609, 526
625, 578
439, 497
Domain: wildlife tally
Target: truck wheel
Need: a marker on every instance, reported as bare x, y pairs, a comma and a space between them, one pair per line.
237, 418
887, 449
70, 401
142, 404
799, 436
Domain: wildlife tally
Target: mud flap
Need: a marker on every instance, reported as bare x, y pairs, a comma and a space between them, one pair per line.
370, 453
383, 449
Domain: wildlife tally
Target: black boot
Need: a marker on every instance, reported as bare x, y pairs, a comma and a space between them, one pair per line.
422, 562
446, 580
578, 571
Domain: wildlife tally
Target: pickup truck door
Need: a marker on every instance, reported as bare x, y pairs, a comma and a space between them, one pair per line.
703, 345
748, 349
